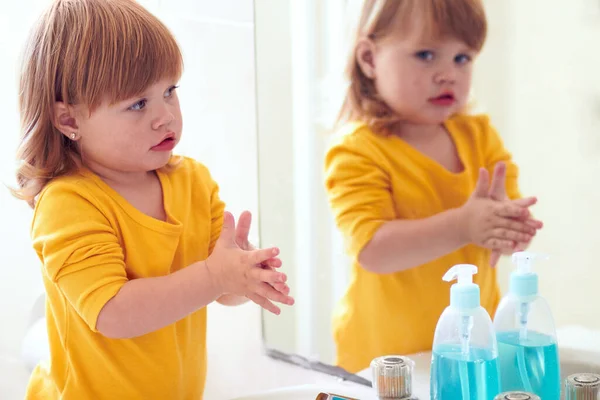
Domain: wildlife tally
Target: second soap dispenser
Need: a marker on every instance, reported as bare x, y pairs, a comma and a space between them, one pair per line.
527, 346
464, 360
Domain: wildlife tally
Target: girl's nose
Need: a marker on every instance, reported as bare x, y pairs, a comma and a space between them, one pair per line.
447, 75
164, 118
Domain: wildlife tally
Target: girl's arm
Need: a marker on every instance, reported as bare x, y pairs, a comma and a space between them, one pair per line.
148, 304
145, 305
360, 196
403, 244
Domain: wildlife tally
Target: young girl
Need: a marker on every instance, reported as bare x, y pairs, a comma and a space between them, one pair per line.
407, 177
134, 243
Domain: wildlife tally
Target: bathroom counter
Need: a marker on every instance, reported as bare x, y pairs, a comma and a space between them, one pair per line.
240, 368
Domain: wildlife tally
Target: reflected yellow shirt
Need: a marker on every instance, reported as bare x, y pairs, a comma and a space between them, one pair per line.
91, 241
371, 179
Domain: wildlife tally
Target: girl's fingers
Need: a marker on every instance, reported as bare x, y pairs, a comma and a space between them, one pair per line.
525, 202
498, 244
264, 303
267, 291
274, 262
261, 255
266, 275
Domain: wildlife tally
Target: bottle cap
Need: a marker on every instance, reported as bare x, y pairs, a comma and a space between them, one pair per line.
464, 294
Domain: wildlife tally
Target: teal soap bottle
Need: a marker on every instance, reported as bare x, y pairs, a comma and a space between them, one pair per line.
464, 363
527, 347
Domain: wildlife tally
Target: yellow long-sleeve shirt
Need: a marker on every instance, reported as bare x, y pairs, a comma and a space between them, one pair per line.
91, 241
371, 179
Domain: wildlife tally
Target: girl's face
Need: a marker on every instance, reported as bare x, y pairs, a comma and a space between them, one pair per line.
135, 135
422, 79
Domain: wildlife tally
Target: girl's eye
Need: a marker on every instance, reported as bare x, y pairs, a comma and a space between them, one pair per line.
425, 55
462, 59
170, 91
139, 105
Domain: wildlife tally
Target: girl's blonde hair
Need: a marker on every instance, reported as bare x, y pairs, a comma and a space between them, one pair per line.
463, 19
83, 52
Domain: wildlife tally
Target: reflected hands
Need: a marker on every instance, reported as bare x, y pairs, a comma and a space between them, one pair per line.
500, 225
498, 192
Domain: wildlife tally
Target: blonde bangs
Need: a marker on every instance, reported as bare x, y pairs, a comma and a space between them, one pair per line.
120, 51
464, 20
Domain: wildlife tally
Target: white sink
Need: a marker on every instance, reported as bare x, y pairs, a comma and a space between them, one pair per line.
577, 361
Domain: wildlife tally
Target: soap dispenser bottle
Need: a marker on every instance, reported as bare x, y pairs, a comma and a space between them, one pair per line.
527, 346
464, 360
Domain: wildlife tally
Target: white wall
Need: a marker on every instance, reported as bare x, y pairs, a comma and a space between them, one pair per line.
555, 102
218, 103
21, 283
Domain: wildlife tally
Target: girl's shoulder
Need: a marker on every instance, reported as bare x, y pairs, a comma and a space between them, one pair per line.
475, 130
186, 170
470, 123
75, 184
358, 136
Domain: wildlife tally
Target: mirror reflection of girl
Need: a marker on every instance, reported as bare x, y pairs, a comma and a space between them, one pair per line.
408, 177
134, 242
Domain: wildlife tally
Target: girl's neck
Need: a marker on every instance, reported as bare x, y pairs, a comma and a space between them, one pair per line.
122, 178
417, 132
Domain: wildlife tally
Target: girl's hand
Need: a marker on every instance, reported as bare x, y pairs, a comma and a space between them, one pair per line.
238, 271
498, 192
495, 224
241, 238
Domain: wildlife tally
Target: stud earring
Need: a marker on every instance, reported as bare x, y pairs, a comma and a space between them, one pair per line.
73, 136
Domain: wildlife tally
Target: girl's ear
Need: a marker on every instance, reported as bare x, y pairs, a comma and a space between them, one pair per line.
365, 57
65, 120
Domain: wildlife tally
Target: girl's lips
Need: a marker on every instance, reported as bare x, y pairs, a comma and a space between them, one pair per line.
166, 145
446, 99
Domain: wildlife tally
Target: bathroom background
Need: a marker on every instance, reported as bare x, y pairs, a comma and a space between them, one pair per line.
257, 96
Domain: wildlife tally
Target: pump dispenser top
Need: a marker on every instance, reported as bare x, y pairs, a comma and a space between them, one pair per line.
524, 281
464, 294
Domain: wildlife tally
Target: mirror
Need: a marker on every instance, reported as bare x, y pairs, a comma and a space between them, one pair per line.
537, 81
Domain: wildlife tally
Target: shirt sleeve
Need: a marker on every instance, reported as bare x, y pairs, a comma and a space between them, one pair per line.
494, 152
359, 192
79, 250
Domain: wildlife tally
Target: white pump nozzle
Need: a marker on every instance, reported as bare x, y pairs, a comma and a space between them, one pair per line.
463, 273
524, 261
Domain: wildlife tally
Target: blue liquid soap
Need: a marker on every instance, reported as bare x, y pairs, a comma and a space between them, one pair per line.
457, 378
530, 365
